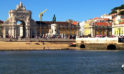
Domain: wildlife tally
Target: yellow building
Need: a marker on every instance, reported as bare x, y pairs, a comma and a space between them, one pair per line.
118, 29
87, 28
118, 26
99, 27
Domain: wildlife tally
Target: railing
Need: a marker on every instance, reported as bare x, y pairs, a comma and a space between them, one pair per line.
97, 40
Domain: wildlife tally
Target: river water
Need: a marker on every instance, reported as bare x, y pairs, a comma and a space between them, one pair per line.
61, 62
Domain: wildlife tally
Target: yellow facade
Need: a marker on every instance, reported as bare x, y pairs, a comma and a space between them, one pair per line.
118, 30
87, 29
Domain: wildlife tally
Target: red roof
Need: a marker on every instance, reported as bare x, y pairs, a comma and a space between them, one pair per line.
96, 18
121, 23
75, 23
122, 18
58, 22
103, 24
106, 19
51, 22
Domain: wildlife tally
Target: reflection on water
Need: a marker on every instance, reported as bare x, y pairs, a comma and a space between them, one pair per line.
61, 62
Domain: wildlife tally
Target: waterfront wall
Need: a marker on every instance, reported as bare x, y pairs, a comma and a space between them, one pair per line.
99, 44
97, 40
58, 45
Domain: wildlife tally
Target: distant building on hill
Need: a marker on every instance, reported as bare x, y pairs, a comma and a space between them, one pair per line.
106, 16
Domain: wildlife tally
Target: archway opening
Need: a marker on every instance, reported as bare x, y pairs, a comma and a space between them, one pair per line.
111, 47
82, 46
19, 22
21, 29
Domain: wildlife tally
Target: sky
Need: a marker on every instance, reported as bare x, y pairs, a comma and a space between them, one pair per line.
78, 10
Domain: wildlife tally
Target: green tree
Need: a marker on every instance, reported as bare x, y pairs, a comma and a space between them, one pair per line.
114, 10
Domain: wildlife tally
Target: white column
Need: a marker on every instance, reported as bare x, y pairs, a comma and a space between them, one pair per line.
91, 31
113, 30
15, 31
21, 31
4, 31
27, 32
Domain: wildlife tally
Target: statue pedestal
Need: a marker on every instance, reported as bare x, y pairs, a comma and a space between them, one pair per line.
53, 30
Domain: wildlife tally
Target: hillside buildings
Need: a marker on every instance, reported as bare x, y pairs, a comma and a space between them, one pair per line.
106, 25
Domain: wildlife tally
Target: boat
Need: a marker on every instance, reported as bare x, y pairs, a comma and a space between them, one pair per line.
122, 66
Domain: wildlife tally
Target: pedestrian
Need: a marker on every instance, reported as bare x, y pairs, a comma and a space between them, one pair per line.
43, 43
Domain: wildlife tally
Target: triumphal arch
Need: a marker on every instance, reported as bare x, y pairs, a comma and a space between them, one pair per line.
19, 24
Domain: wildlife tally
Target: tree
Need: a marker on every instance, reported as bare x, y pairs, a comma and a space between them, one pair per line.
114, 10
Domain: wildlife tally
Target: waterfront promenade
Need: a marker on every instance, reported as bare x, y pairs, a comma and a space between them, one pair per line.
35, 44
61, 44
32, 45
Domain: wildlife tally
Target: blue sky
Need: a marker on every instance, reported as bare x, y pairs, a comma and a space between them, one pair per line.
79, 10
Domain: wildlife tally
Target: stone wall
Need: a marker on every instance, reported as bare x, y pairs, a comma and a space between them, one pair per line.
97, 40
